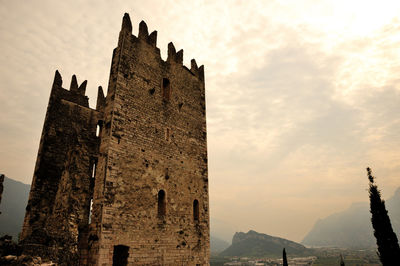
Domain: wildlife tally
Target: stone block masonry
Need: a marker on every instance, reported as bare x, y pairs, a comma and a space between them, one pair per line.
126, 183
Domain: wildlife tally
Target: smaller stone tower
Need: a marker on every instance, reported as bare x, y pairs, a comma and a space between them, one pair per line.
62, 186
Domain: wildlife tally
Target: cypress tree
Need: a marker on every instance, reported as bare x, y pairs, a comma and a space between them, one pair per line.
284, 258
386, 239
341, 260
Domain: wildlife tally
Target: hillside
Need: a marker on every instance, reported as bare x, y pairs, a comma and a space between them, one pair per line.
12, 207
253, 244
351, 228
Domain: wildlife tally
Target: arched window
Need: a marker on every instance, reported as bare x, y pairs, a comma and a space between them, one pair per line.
166, 89
162, 206
196, 210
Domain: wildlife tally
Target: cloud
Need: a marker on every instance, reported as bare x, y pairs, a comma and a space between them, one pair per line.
301, 96
283, 136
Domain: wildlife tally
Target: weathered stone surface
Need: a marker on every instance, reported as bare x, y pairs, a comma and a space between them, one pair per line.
145, 170
61, 191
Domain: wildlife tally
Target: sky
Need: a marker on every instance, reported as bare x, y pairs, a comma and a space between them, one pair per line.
301, 95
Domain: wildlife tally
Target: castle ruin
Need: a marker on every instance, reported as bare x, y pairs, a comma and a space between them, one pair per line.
125, 183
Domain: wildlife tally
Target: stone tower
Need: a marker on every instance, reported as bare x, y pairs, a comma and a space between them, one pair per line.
134, 192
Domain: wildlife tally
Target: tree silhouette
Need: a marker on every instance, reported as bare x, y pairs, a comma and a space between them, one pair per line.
386, 239
341, 260
284, 258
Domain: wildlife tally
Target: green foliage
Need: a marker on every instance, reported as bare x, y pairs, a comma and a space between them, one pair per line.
341, 260
218, 261
352, 257
334, 261
386, 239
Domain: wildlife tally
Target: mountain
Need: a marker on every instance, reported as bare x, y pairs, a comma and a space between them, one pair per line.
12, 207
352, 228
217, 244
253, 244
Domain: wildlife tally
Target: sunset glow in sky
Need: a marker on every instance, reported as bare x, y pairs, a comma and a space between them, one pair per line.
301, 96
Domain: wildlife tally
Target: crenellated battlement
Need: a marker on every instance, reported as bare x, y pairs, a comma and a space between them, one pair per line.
151, 39
101, 99
76, 92
144, 34
74, 86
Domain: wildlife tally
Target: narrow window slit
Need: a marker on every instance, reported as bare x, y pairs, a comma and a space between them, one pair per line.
167, 134
99, 128
166, 89
196, 210
161, 206
93, 170
90, 211
97, 131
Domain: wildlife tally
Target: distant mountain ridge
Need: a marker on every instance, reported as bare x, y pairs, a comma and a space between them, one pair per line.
253, 244
352, 228
12, 207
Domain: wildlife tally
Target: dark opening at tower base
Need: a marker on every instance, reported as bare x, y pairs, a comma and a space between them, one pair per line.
120, 256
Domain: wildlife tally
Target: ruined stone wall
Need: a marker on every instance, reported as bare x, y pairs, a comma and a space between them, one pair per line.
58, 206
153, 139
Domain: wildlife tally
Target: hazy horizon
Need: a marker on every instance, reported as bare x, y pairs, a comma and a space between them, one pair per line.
301, 96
